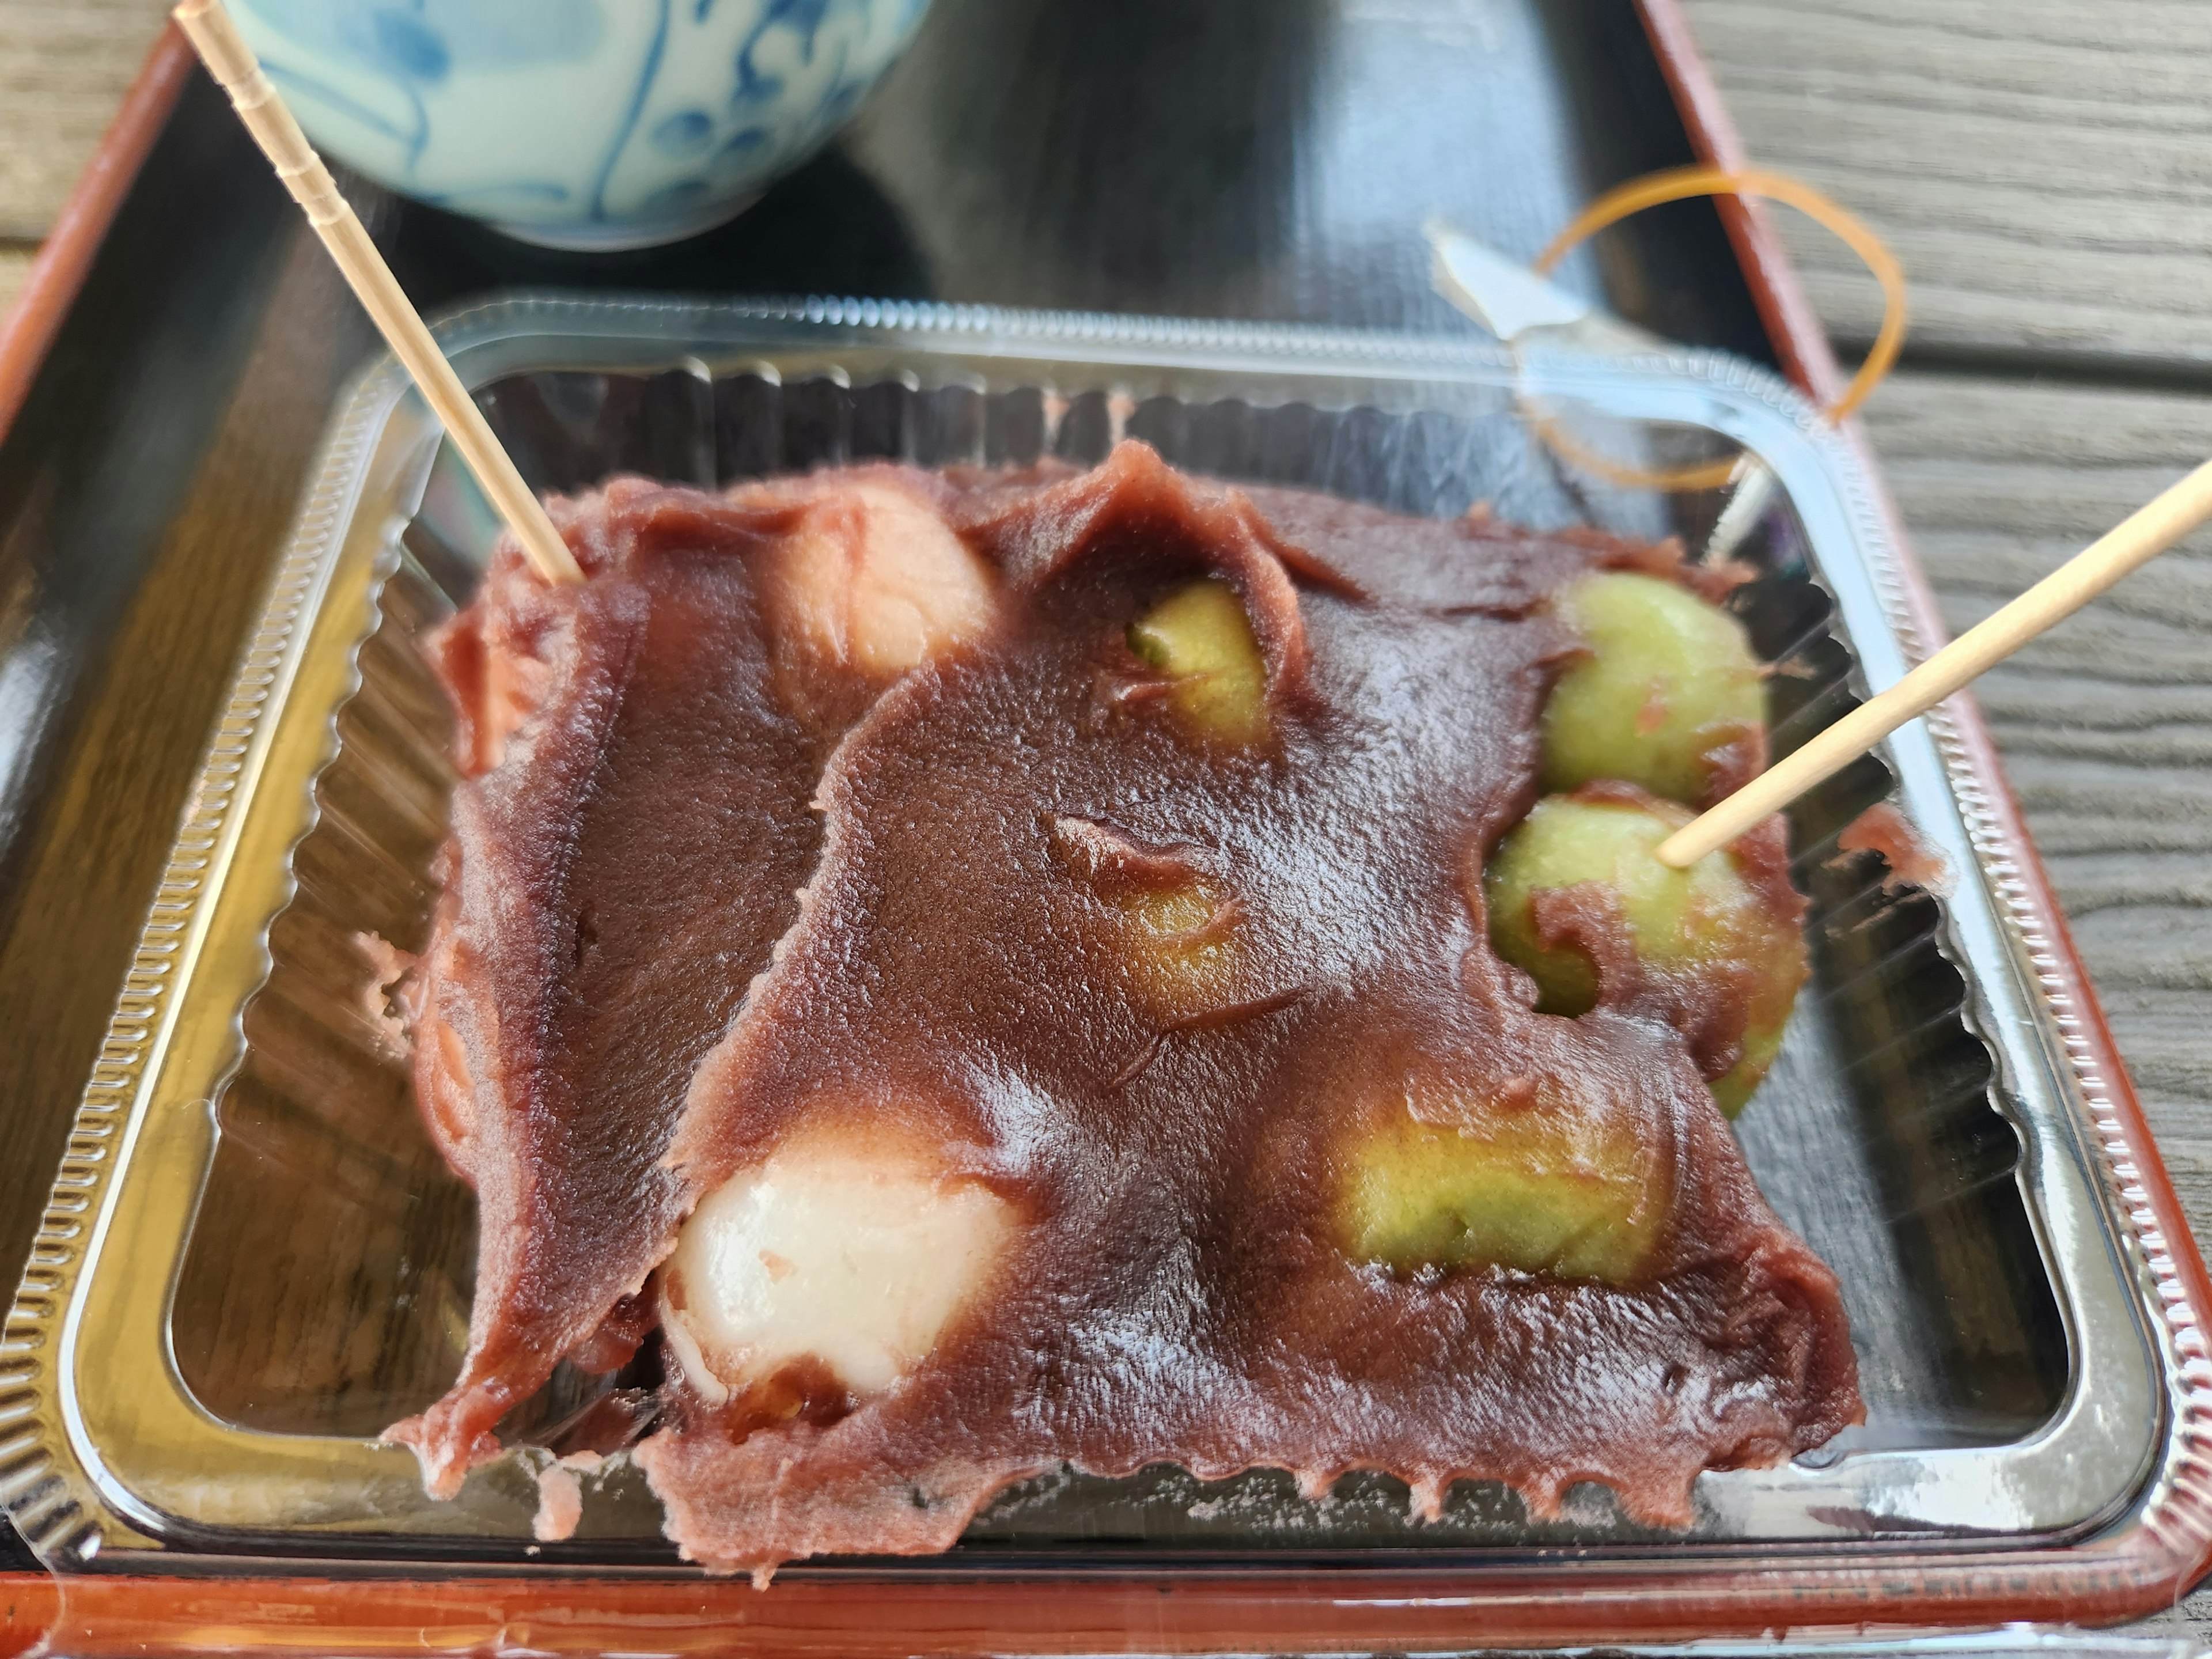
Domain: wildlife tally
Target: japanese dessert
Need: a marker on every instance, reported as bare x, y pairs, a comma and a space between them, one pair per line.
993, 972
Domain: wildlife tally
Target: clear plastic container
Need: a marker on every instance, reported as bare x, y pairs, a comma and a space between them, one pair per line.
256, 1260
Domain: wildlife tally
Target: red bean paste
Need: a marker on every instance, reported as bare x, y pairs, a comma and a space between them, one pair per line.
629, 838
1885, 832
595, 1051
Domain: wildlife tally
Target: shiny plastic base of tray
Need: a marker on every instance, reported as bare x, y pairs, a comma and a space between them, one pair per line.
255, 1260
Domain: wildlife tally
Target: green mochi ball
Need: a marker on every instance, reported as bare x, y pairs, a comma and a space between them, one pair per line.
1202, 636
1533, 1193
1669, 680
1675, 919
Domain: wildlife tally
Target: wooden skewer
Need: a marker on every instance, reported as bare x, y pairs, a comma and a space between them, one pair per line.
232, 63
2135, 540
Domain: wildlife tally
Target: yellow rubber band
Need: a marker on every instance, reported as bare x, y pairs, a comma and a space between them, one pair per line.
1705, 475
1680, 183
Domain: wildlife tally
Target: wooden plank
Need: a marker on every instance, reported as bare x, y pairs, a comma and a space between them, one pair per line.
14, 266
2106, 722
64, 65
2043, 169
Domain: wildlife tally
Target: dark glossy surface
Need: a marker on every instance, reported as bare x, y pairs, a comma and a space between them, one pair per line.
1255, 158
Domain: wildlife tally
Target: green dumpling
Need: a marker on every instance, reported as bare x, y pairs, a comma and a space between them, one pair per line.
1202, 636
1535, 1189
1668, 686
1709, 917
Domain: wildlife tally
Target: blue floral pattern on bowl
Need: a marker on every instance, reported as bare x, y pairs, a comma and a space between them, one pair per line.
578, 123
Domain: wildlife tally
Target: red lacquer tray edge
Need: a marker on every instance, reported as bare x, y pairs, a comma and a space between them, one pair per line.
2144, 1565
27, 330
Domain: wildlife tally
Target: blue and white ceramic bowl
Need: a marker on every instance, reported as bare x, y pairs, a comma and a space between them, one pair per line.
588, 124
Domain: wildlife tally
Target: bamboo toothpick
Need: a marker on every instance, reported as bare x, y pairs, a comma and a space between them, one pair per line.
2135, 540
232, 63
